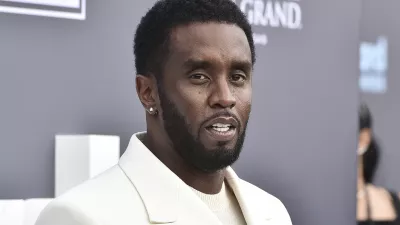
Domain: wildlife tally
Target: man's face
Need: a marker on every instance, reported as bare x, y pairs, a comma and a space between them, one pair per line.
205, 93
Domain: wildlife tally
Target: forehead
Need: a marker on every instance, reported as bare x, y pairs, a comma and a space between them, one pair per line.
219, 41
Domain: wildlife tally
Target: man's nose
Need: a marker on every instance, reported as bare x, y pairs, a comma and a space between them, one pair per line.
222, 95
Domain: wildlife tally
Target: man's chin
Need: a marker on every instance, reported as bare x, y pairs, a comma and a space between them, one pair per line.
215, 145
220, 148
215, 159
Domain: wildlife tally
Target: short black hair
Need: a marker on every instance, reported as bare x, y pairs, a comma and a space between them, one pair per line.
152, 35
365, 118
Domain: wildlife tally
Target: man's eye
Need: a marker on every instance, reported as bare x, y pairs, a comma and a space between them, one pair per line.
198, 77
238, 78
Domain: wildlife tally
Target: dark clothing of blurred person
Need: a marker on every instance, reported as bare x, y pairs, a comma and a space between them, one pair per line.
375, 205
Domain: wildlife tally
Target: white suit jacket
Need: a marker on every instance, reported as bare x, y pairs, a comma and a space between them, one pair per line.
141, 190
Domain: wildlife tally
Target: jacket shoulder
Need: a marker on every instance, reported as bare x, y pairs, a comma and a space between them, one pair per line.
106, 197
61, 213
268, 203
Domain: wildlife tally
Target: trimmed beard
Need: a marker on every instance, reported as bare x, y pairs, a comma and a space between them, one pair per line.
188, 145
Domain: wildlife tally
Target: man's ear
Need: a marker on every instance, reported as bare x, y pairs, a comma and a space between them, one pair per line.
146, 88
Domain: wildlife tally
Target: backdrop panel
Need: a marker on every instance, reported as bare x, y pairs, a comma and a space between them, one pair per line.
302, 135
68, 9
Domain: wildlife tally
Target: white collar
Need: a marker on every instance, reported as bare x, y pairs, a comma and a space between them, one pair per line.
160, 188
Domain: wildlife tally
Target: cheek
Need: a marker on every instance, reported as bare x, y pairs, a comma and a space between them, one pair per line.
363, 139
193, 103
243, 103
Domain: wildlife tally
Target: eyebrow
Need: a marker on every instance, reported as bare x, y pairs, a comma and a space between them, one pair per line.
197, 64
204, 64
242, 65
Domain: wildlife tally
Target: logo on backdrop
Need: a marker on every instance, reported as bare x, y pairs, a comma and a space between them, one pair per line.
68, 9
274, 14
374, 65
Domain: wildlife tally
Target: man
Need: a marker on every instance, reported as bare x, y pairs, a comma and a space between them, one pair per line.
194, 60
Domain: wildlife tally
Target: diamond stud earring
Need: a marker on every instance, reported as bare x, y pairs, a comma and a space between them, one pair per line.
152, 111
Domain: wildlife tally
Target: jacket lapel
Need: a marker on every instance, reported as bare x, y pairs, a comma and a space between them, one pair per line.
249, 202
165, 196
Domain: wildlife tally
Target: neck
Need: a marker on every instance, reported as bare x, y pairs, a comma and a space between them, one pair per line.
157, 142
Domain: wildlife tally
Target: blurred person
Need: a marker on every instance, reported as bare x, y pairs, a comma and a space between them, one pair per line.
194, 62
375, 205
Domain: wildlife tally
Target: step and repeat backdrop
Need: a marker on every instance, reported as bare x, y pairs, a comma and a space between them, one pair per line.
380, 82
76, 75
305, 100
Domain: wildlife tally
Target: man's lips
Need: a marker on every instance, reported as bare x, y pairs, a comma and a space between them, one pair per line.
222, 128
222, 121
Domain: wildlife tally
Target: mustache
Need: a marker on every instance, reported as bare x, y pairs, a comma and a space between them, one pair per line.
223, 114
